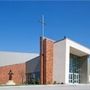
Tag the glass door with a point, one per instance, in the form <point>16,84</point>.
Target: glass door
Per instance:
<point>74,69</point>
<point>74,78</point>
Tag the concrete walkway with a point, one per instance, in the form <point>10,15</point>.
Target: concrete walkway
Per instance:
<point>47,87</point>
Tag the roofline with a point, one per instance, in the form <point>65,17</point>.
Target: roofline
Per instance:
<point>49,39</point>
<point>18,52</point>
<point>78,43</point>
<point>11,64</point>
<point>60,40</point>
<point>72,41</point>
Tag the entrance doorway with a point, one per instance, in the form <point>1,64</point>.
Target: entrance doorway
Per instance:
<point>74,69</point>
<point>74,78</point>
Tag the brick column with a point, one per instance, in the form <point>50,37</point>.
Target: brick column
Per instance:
<point>41,60</point>
<point>46,59</point>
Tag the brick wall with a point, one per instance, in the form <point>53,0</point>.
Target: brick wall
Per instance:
<point>47,62</point>
<point>41,60</point>
<point>17,69</point>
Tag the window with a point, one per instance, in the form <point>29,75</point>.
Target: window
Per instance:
<point>33,77</point>
<point>74,69</point>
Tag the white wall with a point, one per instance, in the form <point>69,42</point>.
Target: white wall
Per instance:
<point>59,61</point>
<point>62,50</point>
<point>67,61</point>
<point>79,50</point>
<point>89,69</point>
<point>84,70</point>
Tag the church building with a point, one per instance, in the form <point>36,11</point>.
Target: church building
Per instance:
<point>64,62</point>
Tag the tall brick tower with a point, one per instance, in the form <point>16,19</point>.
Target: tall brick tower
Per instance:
<point>46,61</point>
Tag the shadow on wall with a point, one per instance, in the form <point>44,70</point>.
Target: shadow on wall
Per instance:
<point>33,71</point>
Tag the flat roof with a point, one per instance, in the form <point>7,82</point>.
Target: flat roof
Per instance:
<point>75,47</point>
<point>9,58</point>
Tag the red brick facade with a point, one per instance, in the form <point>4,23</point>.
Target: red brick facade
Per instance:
<point>18,76</point>
<point>19,70</point>
<point>41,60</point>
<point>47,62</point>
